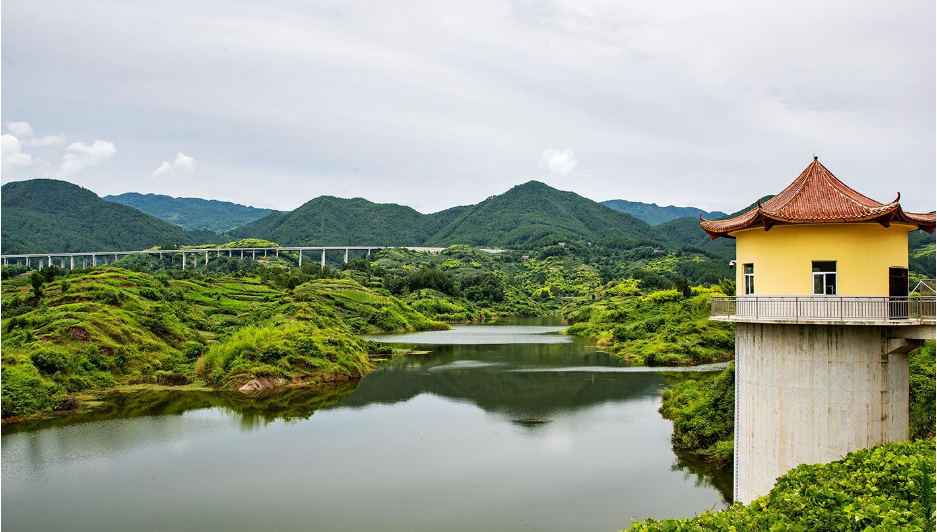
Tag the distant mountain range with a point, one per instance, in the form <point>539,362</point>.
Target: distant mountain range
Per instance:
<point>192,213</point>
<point>654,214</point>
<point>527,215</point>
<point>47,215</point>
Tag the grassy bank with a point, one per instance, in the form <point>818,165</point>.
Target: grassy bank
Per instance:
<point>890,487</point>
<point>656,328</point>
<point>97,328</point>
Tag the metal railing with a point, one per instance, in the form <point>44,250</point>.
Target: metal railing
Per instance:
<point>829,308</point>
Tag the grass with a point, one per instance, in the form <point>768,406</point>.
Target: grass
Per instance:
<point>102,327</point>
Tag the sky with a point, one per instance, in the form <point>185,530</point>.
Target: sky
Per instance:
<point>435,104</point>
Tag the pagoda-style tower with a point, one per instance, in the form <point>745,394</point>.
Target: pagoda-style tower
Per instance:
<point>824,324</point>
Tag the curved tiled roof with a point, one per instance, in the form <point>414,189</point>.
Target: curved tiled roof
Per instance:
<point>817,196</point>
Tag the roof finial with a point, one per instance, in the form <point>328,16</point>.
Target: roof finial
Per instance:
<point>815,157</point>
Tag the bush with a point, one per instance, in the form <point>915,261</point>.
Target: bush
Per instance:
<point>50,361</point>
<point>890,487</point>
<point>25,392</point>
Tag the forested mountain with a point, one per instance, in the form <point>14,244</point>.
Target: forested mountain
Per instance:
<point>654,214</point>
<point>331,221</point>
<point>527,215</point>
<point>534,213</point>
<point>192,213</point>
<point>42,215</point>
<point>687,232</point>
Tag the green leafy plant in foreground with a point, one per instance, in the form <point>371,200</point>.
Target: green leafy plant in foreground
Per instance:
<point>889,487</point>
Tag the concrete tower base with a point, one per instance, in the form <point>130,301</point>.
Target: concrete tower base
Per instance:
<point>812,393</point>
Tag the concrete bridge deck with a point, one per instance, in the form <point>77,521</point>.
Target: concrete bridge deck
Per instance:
<point>201,254</point>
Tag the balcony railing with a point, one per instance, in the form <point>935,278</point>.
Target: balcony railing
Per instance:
<point>825,308</point>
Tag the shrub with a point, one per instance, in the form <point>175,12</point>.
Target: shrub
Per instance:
<point>50,361</point>
<point>25,392</point>
<point>889,487</point>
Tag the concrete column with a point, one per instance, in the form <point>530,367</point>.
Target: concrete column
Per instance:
<point>811,394</point>
<point>265,252</point>
<point>253,254</point>
<point>183,260</point>
<point>278,252</point>
<point>71,265</point>
<point>323,258</point>
<point>94,260</point>
<point>206,257</point>
<point>369,252</point>
<point>346,255</point>
<point>242,253</point>
<point>300,256</point>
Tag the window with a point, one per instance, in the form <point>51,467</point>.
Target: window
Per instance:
<point>824,278</point>
<point>749,273</point>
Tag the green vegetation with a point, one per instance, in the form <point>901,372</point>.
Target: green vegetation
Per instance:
<point>528,215</point>
<point>654,214</point>
<point>192,213</point>
<point>662,328</point>
<point>331,221</point>
<point>46,215</point>
<point>923,386</point>
<point>534,214</point>
<point>702,408</point>
<point>890,487</point>
<point>67,332</point>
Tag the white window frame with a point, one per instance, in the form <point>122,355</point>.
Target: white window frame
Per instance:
<point>814,275</point>
<point>748,288</point>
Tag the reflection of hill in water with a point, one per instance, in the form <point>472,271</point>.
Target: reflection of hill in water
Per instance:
<point>493,378</point>
<point>252,412</point>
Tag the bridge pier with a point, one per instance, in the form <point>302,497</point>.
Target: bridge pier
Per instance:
<point>346,255</point>
<point>206,257</point>
<point>323,259</point>
<point>300,257</point>
<point>183,260</point>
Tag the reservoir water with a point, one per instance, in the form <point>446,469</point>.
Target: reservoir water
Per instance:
<point>486,427</point>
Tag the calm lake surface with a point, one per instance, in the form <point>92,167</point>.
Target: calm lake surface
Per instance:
<point>499,427</point>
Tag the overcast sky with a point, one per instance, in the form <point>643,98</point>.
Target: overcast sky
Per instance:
<point>434,103</point>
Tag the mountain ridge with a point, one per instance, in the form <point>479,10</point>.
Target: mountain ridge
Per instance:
<point>655,214</point>
<point>192,213</point>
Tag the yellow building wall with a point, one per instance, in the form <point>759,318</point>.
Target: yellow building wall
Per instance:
<point>784,255</point>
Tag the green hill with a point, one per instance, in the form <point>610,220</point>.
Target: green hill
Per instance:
<point>687,232</point>
<point>192,213</point>
<point>527,215</point>
<point>534,213</point>
<point>49,215</point>
<point>654,214</point>
<point>331,221</point>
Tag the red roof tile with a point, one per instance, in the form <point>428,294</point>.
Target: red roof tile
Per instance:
<point>817,196</point>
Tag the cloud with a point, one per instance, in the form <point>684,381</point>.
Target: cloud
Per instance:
<point>84,155</point>
<point>20,129</point>
<point>183,163</point>
<point>47,140</point>
<point>559,162</point>
<point>12,153</point>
